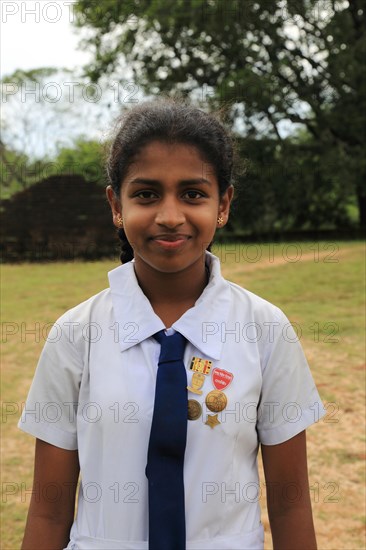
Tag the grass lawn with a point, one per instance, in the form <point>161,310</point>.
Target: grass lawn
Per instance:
<point>321,289</point>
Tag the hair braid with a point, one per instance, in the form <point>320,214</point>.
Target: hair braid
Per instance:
<point>126,248</point>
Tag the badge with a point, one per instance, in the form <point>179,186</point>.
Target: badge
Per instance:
<point>221,378</point>
<point>201,365</point>
<point>212,420</point>
<point>197,382</point>
<point>194,409</point>
<point>216,401</point>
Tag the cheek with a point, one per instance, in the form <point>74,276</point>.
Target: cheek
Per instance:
<point>136,217</point>
<point>136,223</point>
<point>208,216</point>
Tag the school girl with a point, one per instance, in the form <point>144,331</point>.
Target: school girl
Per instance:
<point>159,390</point>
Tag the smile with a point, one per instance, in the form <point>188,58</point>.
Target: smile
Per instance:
<point>171,241</point>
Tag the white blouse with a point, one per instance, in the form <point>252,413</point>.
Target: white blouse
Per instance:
<point>94,389</point>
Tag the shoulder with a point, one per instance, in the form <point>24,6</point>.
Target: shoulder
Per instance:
<point>73,328</point>
<point>250,304</point>
<point>87,309</point>
<point>240,306</point>
<point>241,301</point>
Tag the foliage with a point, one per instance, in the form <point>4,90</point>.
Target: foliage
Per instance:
<point>42,130</point>
<point>288,186</point>
<point>299,63</point>
<point>16,170</point>
<point>86,158</point>
<point>19,76</point>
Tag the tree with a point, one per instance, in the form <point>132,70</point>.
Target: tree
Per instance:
<point>282,62</point>
<point>13,176</point>
<point>86,158</point>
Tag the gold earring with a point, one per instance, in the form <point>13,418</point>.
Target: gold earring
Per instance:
<point>119,220</point>
<point>220,220</point>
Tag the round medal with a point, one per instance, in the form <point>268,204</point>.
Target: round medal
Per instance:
<point>216,401</point>
<point>194,409</point>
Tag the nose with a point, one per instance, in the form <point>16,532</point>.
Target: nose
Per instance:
<point>170,213</point>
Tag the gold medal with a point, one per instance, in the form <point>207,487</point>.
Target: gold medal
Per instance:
<point>194,409</point>
<point>216,401</point>
<point>212,420</point>
<point>197,382</point>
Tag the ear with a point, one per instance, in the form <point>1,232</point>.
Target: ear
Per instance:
<point>115,205</point>
<point>224,206</point>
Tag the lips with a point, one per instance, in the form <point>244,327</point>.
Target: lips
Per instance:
<point>171,241</point>
<point>170,237</point>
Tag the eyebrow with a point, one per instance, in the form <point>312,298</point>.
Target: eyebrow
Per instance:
<point>148,181</point>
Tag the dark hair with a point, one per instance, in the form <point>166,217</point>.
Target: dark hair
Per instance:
<point>172,122</point>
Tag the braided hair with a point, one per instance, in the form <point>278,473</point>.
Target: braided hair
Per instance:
<point>169,121</point>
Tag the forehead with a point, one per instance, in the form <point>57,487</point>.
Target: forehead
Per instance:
<point>158,159</point>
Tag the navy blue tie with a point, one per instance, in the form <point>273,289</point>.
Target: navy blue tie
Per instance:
<point>165,458</point>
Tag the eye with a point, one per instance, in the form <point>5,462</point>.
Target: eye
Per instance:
<point>193,194</point>
<point>146,195</point>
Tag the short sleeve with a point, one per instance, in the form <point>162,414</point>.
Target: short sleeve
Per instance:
<point>289,401</point>
<point>50,409</point>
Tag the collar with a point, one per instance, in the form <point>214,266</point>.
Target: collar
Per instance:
<point>137,321</point>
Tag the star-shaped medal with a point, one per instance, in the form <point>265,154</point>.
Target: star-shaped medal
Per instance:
<point>212,420</point>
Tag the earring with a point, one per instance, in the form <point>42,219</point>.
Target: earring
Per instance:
<point>220,220</point>
<point>119,220</point>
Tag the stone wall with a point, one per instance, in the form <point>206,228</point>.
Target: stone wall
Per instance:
<point>61,217</point>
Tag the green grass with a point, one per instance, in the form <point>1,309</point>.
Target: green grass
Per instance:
<point>316,293</point>
<point>311,293</point>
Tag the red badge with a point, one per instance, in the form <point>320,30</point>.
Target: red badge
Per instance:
<point>221,378</point>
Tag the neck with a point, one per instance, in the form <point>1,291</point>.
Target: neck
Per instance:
<point>171,294</point>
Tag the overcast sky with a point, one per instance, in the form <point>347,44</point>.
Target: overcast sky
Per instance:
<point>38,34</point>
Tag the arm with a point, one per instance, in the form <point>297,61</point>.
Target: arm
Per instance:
<point>52,506</point>
<point>288,495</point>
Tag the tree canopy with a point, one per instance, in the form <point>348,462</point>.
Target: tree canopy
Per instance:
<point>282,65</point>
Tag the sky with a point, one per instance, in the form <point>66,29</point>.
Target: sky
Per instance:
<point>38,34</point>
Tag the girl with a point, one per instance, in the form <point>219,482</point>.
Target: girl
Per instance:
<point>97,403</point>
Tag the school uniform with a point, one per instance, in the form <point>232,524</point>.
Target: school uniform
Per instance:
<point>94,389</point>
